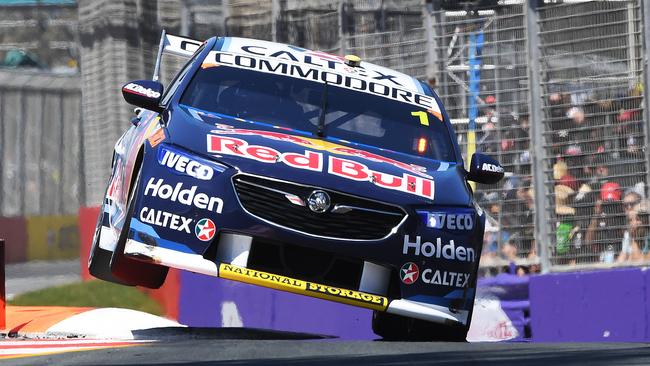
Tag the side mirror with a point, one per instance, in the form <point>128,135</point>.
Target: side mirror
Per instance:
<point>143,93</point>
<point>483,169</point>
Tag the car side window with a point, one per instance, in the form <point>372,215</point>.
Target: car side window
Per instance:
<point>179,77</point>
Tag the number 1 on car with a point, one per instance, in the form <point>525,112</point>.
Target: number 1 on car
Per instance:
<point>423,116</point>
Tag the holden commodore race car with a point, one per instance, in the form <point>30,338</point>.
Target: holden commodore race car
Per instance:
<point>300,171</point>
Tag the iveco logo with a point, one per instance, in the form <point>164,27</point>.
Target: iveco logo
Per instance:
<point>318,201</point>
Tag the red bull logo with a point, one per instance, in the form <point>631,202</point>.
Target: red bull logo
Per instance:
<point>314,161</point>
<point>322,145</point>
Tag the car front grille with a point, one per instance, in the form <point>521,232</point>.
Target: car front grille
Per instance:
<point>349,217</point>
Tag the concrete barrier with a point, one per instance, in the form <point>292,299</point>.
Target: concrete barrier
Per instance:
<point>87,221</point>
<point>14,231</point>
<point>52,237</point>
<point>602,306</point>
<point>211,302</point>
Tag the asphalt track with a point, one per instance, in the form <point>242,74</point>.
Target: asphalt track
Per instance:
<point>241,346</point>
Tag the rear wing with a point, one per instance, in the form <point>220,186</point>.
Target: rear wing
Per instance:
<point>174,45</point>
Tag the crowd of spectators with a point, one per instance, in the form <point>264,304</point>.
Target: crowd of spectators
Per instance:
<point>595,150</point>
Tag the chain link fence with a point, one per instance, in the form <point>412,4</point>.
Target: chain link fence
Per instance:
<point>481,74</point>
<point>593,110</point>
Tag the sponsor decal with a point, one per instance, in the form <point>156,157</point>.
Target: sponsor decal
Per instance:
<point>311,160</point>
<point>449,221</point>
<point>229,271</point>
<point>375,81</point>
<point>157,137</point>
<point>205,230</point>
<point>165,219</point>
<point>345,294</point>
<point>278,282</point>
<point>449,251</point>
<point>445,278</point>
<point>409,273</point>
<point>180,45</point>
<point>322,145</point>
<point>156,187</point>
<point>487,167</point>
<point>185,164</point>
<point>134,88</point>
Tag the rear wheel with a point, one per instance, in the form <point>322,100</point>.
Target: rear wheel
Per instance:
<point>129,270</point>
<point>393,327</point>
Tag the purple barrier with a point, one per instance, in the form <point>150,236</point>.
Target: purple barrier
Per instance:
<point>505,286</point>
<point>211,302</point>
<point>599,306</point>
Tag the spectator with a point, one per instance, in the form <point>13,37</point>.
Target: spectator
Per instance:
<point>558,121</point>
<point>489,140</point>
<point>583,203</point>
<point>634,246</point>
<point>565,230</point>
<point>631,199</point>
<point>604,231</point>
<point>629,124</point>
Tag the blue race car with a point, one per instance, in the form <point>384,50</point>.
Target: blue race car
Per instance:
<point>301,171</point>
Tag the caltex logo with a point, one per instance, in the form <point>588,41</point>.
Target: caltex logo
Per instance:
<point>205,229</point>
<point>409,273</point>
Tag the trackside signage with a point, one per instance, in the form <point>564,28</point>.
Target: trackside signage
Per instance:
<point>278,282</point>
<point>376,83</point>
<point>314,161</point>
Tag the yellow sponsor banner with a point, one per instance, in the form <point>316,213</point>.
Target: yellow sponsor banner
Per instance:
<point>241,274</point>
<point>52,237</point>
<point>350,297</point>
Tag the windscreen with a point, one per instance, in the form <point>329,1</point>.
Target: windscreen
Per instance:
<point>305,105</point>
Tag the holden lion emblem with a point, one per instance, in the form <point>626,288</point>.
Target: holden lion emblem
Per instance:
<point>318,201</point>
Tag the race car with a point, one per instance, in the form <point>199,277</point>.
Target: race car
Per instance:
<point>301,171</point>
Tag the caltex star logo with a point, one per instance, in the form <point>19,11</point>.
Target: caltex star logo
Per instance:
<point>205,229</point>
<point>409,273</point>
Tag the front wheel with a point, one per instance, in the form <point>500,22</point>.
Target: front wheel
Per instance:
<point>398,328</point>
<point>99,260</point>
<point>129,270</point>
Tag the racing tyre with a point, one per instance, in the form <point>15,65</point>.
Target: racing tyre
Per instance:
<point>398,328</point>
<point>131,271</point>
<point>99,260</point>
